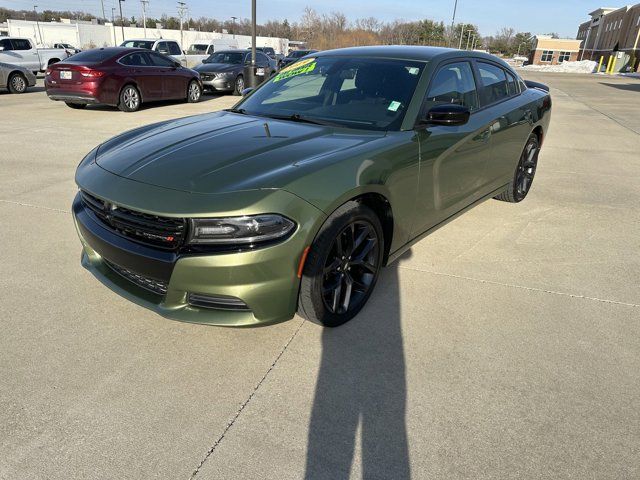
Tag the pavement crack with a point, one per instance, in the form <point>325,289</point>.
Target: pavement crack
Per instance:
<point>11,202</point>
<point>523,287</point>
<point>245,403</point>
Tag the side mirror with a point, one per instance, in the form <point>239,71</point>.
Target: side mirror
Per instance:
<point>247,91</point>
<point>446,115</point>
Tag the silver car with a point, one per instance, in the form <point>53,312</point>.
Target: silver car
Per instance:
<point>16,78</point>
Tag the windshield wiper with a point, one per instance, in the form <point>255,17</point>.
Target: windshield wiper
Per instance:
<point>296,117</point>
<point>241,111</point>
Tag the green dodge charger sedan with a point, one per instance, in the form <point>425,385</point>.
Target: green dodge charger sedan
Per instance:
<point>294,199</point>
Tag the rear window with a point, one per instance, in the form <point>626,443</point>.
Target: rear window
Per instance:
<point>138,44</point>
<point>96,55</point>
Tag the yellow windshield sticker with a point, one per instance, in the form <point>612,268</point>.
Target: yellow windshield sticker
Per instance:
<point>298,68</point>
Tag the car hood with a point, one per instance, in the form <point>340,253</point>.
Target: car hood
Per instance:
<point>225,152</point>
<point>217,67</point>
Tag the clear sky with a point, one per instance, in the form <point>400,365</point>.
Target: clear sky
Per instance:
<point>535,16</point>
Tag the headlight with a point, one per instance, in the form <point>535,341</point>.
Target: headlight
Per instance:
<point>239,230</point>
<point>222,75</point>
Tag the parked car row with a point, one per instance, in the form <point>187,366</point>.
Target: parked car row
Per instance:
<point>224,71</point>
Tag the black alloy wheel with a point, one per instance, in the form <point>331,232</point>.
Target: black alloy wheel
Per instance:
<point>342,266</point>
<point>524,174</point>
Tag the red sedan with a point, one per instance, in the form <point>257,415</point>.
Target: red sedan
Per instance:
<point>122,77</point>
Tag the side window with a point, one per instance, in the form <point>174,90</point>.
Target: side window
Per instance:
<point>162,47</point>
<point>514,87</point>
<point>137,59</point>
<point>174,48</point>
<point>494,83</point>
<point>21,44</point>
<point>261,59</point>
<point>453,83</point>
<point>211,49</point>
<point>6,44</point>
<point>161,61</point>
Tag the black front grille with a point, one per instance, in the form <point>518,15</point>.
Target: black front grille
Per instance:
<point>164,232</point>
<point>151,284</point>
<point>217,302</point>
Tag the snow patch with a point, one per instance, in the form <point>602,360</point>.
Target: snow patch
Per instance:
<point>583,66</point>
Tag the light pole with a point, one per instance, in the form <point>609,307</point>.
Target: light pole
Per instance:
<point>113,24</point>
<point>182,6</point>
<point>38,24</point>
<point>121,18</point>
<point>233,20</point>
<point>104,17</point>
<point>461,35</point>
<point>453,21</point>
<point>144,16</point>
<point>253,44</point>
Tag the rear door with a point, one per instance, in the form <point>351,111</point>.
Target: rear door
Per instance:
<point>452,158</point>
<point>501,101</point>
<point>174,82</point>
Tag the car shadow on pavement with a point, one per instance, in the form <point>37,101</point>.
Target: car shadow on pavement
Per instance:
<point>36,89</point>
<point>632,87</point>
<point>151,105</point>
<point>362,383</point>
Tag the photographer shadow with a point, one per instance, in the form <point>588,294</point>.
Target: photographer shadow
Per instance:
<point>362,383</point>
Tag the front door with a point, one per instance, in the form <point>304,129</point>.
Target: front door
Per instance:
<point>174,83</point>
<point>452,158</point>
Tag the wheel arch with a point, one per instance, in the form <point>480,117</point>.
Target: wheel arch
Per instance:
<point>539,132</point>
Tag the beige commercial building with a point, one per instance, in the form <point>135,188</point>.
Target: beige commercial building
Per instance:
<point>547,50</point>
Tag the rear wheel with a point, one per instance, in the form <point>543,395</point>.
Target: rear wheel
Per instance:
<point>525,171</point>
<point>76,106</point>
<point>239,85</point>
<point>342,266</point>
<point>17,83</point>
<point>129,99</point>
<point>194,92</point>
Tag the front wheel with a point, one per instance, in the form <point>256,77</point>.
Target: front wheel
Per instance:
<point>342,266</point>
<point>194,92</point>
<point>239,86</point>
<point>129,99</point>
<point>17,83</point>
<point>525,171</point>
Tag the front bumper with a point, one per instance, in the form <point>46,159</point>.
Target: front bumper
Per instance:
<point>265,279</point>
<point>218,84</point>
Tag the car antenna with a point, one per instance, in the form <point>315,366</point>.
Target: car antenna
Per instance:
<point>266,129</point>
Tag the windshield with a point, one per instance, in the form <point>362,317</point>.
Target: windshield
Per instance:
<point>96,55</point>
<point>365,93</point>
<point>231,58</point>
<point>138,44</point>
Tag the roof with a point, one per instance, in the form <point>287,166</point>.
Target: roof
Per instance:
<point>407,52</point>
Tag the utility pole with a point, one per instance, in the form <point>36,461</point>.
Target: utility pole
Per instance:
<point>461,35</point>
<point>121,18</point>
<point>253,79</point>
<point>468,38</point>
<point>38,24</point>
<point>453,21</point>
<point>144,16</point>
<point>113,24</point>
<point>104,17</point>
<point>182,7</point>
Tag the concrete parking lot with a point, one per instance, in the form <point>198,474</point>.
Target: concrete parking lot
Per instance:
<point>505,345</point>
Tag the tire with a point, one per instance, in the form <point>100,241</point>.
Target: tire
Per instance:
<point>17,83</point>
<point>130,99</point>
<point>239,85</point>
<point>331,280</point>
<point>194,91</point>
<point>76,106</point>
<point>524,174</point>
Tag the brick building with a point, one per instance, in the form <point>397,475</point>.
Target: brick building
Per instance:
<point>611,30</point>
<point>546,50</point>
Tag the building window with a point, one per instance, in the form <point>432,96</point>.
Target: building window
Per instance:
<point>547,55</point>
<point>564,57</point>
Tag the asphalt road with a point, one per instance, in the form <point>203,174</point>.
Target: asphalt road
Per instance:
<point>505,345</point>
